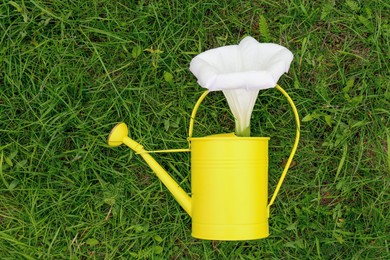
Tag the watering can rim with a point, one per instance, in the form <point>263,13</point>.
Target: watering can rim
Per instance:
<point>230,138</point>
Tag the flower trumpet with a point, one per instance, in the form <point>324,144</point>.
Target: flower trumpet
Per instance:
<point>240,71</point>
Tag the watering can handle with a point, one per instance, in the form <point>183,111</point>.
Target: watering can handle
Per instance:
<point>288,163</point>
<point>294,149</point>
<point>193,114</point>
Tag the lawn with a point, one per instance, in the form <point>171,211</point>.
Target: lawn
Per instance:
<point>70,70</point>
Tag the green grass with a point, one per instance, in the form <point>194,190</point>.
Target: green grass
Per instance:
<point>69,70</point>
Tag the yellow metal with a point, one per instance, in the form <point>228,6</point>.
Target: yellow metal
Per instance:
<point>115,138</point>
<point>168,151</point>
<point>119,135</point>
<point>193,114</point>
<point>229,177</point>
<point>294,149</point>
<point>229,180</point>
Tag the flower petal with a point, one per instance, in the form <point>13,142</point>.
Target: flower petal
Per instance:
<point>253,80</point>
<point>249,65</point>
<point>241,103</point>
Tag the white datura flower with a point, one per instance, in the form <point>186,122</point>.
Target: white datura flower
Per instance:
<point>240,71</point>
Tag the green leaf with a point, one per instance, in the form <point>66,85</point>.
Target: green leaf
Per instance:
<point>21,164</point>
<point>388,149</point>
<point>166,124</point>
<point>292,226</point>
<point>13,184</point>
<point>290,244</point>
<point>13,154</point>
<point>1,170</point>
<point>352,5</point>
<point>339,238</point>
<point>349,85</point>
<point>300,243</point>
<point>368,12</point>
<point>158,250</point>
<point>264,32</point>
<point>340,184</point>
<point>16,5</point>
<point>136,51</point>
<point>158,238</point>
<point>326,10</point>
<point>154,51</point>
<point>8,161</point>
<point>297,84</point>
<point>359,124</point>
<point>307,118</point>
<point>341,163</point>
<point>328,120</point>
<point>139,228</point>
<point>367,23</point>
<point>357,100</point>
<point>176,123</point>
<point>110,201</point>
<point>92,242</point>
<point>168,77</point>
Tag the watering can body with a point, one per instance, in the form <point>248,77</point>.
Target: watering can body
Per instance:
<point>229,181</point>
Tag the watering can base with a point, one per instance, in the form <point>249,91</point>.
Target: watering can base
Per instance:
<point>230,232</point>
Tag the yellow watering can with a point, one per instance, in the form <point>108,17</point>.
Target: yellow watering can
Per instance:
<point>229,180</point>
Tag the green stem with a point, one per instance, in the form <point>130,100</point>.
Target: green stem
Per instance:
<point>246,132</point>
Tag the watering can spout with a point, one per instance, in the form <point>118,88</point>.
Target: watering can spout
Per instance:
<point>119,135</point>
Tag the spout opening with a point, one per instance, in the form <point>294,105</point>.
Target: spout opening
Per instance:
<point>117,134</point>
